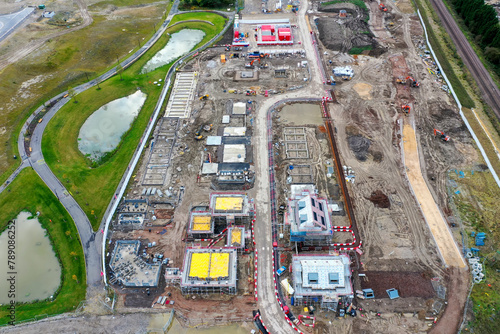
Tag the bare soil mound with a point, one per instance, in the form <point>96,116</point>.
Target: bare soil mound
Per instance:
<point>359,145</point>
<point>380,199</point>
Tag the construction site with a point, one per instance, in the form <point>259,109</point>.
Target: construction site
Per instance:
<point>358,220</point>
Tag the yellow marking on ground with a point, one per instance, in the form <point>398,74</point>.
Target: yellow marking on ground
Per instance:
<point>442,235</point>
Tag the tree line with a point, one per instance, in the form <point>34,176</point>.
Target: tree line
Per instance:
<point>482,21</point>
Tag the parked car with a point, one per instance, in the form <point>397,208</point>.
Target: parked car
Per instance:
<point>281,270</point>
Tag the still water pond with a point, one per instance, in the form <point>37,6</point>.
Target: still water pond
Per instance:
<point>178,45</point>
<point>38,271</point>
<point>103,130</point>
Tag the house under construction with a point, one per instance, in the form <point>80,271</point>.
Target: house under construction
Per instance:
<point>201,225</point>
<point>207,270</point>
<point>308,217</point>
<point>321,279</point>
<point>231,208</point>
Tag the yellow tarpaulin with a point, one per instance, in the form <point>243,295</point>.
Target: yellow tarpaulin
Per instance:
<point>199,265</point>
<point>201,223</point>
<point>219,265</point>
<point>229,204</point>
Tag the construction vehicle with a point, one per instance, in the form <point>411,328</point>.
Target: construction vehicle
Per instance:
<point>382,7</point>
<point>198,135</point>
<point>204,97</point>
<point>406,109</point>
<point>250,64</point>
<point>401,80</point>
<point>441,134</point>
<point>413,83</point>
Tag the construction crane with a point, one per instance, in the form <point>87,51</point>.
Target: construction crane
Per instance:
<point>382,7</point>
<point>204,97</point>
<point>406,109</point>
<point>441,134</point>
<point>413,83</point>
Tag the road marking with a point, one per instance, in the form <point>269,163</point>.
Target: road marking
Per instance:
<point>40,162</point>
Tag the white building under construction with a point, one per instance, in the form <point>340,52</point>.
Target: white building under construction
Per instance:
<point>321,279</point>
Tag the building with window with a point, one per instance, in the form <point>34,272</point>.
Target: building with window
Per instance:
<point>321,279</point>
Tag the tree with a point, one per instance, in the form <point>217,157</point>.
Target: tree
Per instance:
<point>75,278</point>
<point>493,55</point>
<point>73,254</point>
<point>119,70</point>
<point>72,94</point>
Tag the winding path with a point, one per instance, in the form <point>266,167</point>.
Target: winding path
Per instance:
<point>91,241</point>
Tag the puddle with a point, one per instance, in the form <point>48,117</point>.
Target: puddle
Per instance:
<point>38,271</point>
<point>178,45</point>
<point>159,320</point>
<point>302,114</point>
<point>102,131</point>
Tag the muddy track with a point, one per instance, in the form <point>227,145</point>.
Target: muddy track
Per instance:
<point>490,91</point>
<point>12,57</point>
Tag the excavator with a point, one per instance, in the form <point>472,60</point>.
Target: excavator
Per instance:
<point>250,64</point>
<point>205,127</point>
<point>441,134</point>
<point>413,83</point>
<point>204,97</point>
<point>382,7</point>
<point>406,109</point>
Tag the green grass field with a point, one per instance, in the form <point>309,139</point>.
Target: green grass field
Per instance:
<point>28,192</point>
<point>93,186</point>
<point>478,207</point>
<point>62,62</point>
<point>446,67</point>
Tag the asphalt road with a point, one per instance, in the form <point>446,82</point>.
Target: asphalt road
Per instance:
<point>9,22</point>
<point>489,90</point>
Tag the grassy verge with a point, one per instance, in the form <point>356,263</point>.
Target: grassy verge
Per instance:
<point>478,209</point>
<point>446,67</point>
<point>65,61</point>
<point>359,50</point>
<point>483,138</point>
<point>28,192</point>
<point>93,188</point>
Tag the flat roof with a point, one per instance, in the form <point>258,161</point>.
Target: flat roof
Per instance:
<point>214,140</point>
<point>234,131</point>
<point>234,153</point>
<point>209,168</point>
<point>229,203</point>
<point>239,108</point>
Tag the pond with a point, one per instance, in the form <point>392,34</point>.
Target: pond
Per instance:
<point>103,130</point>
<point>38,270</point>
<point>178,45</point>
<point>302,114</point>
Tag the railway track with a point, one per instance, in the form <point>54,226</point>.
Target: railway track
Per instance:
<point>490,91</point>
